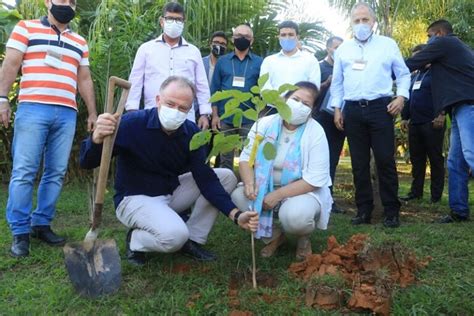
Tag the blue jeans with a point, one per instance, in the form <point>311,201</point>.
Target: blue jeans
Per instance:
<point>40,131</point>
<point>461,158</point>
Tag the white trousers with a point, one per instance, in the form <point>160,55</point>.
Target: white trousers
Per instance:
<point>297,214</point>
<point>158,227</point>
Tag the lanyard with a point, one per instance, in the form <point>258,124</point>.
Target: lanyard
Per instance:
<point>58,32</point>
<point>423,77</point>
<point>245,69</point>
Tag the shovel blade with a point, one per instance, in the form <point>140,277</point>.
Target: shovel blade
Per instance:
<point>93,267</point>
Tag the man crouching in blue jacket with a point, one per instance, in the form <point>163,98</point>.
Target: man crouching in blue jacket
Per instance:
<point>158,176</point>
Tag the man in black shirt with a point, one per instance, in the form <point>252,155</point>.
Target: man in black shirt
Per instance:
<point>425,135</point>
<point>452,67</point>
<point>324,114</point>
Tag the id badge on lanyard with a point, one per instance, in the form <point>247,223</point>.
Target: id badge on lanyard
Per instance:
<point>359,64</point>
<point>238,82</point>
<point>417,85</point>
<point>53,59</point>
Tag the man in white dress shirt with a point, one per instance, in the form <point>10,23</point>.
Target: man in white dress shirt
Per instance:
<point>290,65</point>
<point>362,82</point>
<point>165,56</point>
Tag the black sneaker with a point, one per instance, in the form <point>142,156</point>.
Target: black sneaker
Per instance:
<point>194,250</point>
<point>20,246</point>
<point>409,197</point>
<point>336,210</point>
<point>136,258</point>
<point>360,219</point>
<point>391,222</point>
<point>452,218</point>
<point>44,233</point>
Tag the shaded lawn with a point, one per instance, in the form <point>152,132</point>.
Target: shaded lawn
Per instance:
<point>173,284</point>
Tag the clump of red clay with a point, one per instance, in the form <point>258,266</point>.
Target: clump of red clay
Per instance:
<point>371,271</point>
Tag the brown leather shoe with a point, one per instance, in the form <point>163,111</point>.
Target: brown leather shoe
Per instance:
<point>304,248</point>
<point>272,246</point>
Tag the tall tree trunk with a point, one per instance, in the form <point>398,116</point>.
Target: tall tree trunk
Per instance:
<point>377,213</point>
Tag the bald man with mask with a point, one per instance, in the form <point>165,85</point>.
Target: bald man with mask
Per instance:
<point>362,83</point>
<point>238,70</point>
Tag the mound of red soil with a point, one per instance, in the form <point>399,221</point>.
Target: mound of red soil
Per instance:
<point>371,270</point>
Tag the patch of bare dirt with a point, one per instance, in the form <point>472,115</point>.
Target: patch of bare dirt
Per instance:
<point>241,279</point>
<point>181,268</point>
<point>371,271</point>
<point>240,313</point>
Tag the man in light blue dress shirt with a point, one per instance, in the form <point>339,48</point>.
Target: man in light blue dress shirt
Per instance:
<point>362,82</point>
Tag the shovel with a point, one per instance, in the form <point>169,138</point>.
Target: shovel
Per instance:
<point>94,265</point>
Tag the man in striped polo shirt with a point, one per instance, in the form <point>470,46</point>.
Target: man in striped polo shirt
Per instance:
<point>54,65</point>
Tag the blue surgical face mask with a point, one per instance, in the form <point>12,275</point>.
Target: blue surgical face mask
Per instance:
<point>288,44</point>
<point>362,31</point>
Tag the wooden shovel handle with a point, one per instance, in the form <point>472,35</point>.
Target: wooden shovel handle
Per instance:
<point>108,145</point>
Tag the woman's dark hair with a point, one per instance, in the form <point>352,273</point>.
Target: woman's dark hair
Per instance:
<point>307,86</point>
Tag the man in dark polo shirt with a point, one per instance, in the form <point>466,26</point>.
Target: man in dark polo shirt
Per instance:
<point>425,135</point>
<point>158,176</point>
<point>238,70</point>
<point>452,67</point>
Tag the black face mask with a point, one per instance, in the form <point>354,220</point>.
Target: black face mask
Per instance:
<point>62,13</point>
<point>241,43</point>
<point>218,50</point>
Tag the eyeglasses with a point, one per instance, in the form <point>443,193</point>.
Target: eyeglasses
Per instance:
<point>177,20</point>
<point>219,43</point>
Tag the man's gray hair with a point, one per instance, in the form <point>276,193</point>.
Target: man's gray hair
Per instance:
<point>182,82</point>
<point>365,5</point>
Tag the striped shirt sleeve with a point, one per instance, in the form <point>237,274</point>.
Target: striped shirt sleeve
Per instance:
<point>85,56</point>
<point>19,37</point>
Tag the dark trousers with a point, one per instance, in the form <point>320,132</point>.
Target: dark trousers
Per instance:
<point>426,142</point>
<point>335,139</point>
<point>227,159</point>
<point>370,126</point>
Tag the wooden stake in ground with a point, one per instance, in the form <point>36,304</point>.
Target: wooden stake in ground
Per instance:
<point>254,263</point>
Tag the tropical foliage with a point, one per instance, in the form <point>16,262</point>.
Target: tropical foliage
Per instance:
<point>255,103</point>
<point>116,28</point>
<point>407,20</point>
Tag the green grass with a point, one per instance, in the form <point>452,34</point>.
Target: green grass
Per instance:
<point>39,284</point>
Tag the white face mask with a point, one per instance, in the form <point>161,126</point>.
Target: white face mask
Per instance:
<point>171,119</point>
<point>362,31</point>
<point>299,112</point>
<point>173,29</point>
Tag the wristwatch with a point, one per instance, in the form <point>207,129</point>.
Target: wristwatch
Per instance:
<point>236,217</point>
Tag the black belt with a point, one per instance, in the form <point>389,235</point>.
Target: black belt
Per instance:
<point>365,103</point>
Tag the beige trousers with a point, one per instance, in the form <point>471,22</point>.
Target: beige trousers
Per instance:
<point>298,214</point>
<point>157,225</point>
